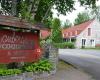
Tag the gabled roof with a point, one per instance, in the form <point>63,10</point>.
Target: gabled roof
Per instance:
<point>19,23</point>
<point>75,30</point>
<point>69,32</point>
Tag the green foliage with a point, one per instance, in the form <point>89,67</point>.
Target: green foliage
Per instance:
<point>64,6</point>
<point>24,11</point>
<point>96,12</point>
<point>96,48</point>
<point>5,72</point>
<point>64,45</point>
<point>81,17</point>
<point>41,8</point>
<point>41,66</point>
<point>43,12</point>
<point>67,24</point>
<point>88,3</point>
<point>48,22</point>
<point>56,35</point>
<point>70,45</point>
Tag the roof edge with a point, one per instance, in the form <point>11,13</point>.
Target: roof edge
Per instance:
<point>19,23</point>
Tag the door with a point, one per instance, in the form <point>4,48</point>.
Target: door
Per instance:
<point>92,41</point>
<point>83,43</point>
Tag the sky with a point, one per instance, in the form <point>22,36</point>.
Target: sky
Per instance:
<point>72,15</point>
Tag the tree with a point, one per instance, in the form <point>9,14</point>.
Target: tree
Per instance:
<point>96,13</point>
<point>67,24</point>
<point>81,17</point>
<point>88,3</point>
<point>39,10</point>
<point>56,35</point>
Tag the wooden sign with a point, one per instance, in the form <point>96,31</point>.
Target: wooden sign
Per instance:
<point>19,46</point>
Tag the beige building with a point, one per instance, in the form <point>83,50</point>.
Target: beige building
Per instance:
<point>85,35</point>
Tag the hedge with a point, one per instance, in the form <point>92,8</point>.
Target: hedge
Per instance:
<point>64,45</point>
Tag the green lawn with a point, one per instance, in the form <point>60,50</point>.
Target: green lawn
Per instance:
<point>97,48</point>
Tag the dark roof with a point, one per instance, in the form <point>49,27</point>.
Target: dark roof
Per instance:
<point>19,23</point>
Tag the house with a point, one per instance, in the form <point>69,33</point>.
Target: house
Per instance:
<point>44,34</point>
<point>86,34</point>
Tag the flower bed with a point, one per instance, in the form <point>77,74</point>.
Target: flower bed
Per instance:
<point>43,68</point>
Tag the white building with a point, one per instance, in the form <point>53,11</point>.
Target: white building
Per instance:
<point>85,35</point>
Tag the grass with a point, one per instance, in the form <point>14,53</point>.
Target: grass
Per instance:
<point>62,65</point>
<point>97,48</point>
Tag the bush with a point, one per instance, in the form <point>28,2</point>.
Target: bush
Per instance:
<point>41,66</point>
<point>60,45</point>
<point>70,45</point>
<point>5,72</point>
<point>64,45</point>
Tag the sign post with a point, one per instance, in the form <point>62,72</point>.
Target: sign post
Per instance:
<point>18,46</point>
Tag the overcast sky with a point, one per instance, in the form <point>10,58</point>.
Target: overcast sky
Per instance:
<point>71,16</point>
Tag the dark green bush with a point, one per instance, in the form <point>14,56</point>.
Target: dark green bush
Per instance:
<point>59,45</point>
<point>70,45</point>
<point>64,45</point>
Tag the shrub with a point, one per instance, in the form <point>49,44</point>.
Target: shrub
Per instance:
<point>59,45</point>
<point>41,66</point>
<point>5,72</point>
<point>70,45</point>
<point>64,45</point>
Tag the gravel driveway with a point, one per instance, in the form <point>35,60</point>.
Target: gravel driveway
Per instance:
<point>68,72</point>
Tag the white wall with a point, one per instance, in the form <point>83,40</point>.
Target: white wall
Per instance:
<point>95,35</point>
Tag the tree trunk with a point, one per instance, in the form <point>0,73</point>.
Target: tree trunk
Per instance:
<point>14,7</point>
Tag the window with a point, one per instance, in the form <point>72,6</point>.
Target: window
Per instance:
<point>89,31</point>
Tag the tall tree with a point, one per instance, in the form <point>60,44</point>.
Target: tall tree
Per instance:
<point>56,34</point>
<point>67,24</point>
<point>81,17</point>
